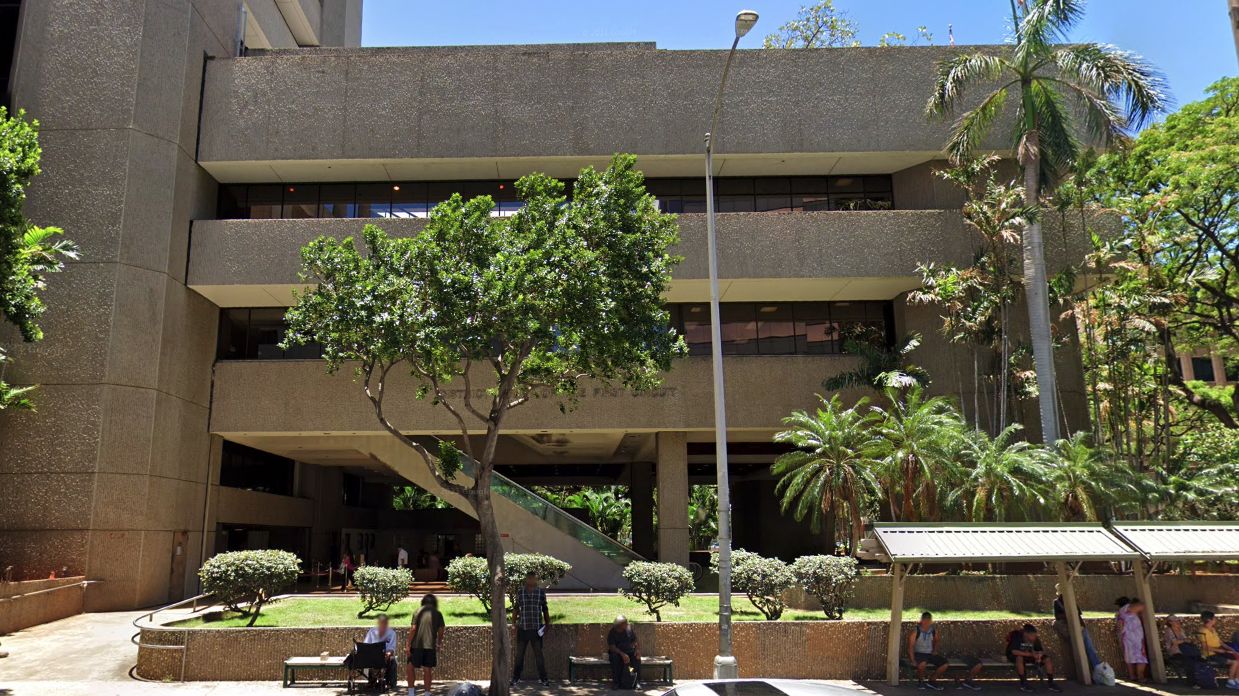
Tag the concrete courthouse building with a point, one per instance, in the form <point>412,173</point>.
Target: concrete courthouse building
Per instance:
<point>191,147</point>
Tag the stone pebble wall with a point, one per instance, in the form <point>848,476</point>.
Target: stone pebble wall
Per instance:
<point>19,609</point>
<point>791,649</point>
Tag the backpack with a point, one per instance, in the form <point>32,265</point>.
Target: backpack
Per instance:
<point>628,678</point>
<point>1103,674</point>
<point>1204,676</point>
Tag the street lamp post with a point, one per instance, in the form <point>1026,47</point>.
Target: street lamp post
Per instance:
<point>725,666</point>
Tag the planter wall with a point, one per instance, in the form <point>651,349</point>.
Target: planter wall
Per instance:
<point>19,609</point>
<point>791,649</point>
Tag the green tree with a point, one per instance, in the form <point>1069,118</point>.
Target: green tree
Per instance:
<point>880,367</point>
<point>528,305</point>
<point>1004,480</point>
<point>832,471</point>
<point>918,439</point>
<point>819,25</point>
<point>1177,189</point>
<point>28,253</point>
<point>1049,83</point>
<point>1087,484</point>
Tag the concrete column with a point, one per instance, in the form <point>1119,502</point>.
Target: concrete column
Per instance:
<point>641,489</point>
<point>673,497</point>
<point>1219,369</point>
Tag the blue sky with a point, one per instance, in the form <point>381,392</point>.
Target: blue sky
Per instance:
<point>1189,40</point>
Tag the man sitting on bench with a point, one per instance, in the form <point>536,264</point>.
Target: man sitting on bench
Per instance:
<point>923,653</point>
<point>1024,650</point>
<point>625,655</point>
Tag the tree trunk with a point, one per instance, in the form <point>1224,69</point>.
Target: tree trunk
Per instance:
<point>830,527</point>
<point>1037,291</point>
<point>501,641</point>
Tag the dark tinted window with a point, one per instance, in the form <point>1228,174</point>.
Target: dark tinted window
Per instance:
<point>256,470</point>
<point>785,328</point>
<point>256,334</point>
<point>1202,369</point>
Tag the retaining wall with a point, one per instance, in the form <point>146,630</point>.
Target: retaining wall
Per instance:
<point>20,609</point>
<point>790,649</point>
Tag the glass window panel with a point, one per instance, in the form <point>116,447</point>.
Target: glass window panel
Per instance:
<point>300,201</point>
<point>506,208</point>
<point>877,184</point>
<point>337,201</point>
<point>439,191</point>
<point>848,201</point>
<point>374,200</point>
<point>408,199</point>
<point>671,204</point>
<point>776,329</point>
<point>266,330</point>
<point>693,204</point>
<point>265,201</point>
<point>847,184</point>
<point>810,202</point>
<point>693,187</point>
<point>697,328</point>
<point>504,191</point>
<point>1202,369</point>
<point>231,341</point>
<point>663,187</point>
<point>733,186</point>
<point>735,204</point>
<point>815,333</point>
<point>233,202</point>
<point>769,203</point>
<point>739,328</point>
<point>809,184</point>
<point>770,185</point>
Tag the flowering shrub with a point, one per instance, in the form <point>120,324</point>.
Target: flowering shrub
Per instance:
<point>249,578</point>
<point>829,579</point>
<point>657,584</point>
<point>380,588</point>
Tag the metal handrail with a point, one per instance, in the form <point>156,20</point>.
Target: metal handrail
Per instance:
<point>150,616</point>
<point>81,583</point>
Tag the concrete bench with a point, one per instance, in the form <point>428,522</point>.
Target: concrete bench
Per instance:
<point>647,663</point>
<point>962,664</point>
<point>295,664</point>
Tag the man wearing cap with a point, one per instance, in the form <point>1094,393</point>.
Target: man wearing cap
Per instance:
<point>625,654</point>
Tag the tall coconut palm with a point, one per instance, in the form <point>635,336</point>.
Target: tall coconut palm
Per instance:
<point>1005,479</point>
<point>832,464</point>
<point>1049,83</point>
<point>919,437</point>
<point>1086,485</point>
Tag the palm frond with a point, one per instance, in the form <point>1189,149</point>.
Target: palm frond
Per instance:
<point>956,74</point>
<point>1117,76</point>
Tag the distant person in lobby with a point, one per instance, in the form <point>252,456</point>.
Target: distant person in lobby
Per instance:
<point>382,632</point>
<point>625,654</point>
<point>924,654</point>
<point>1025,651</point>
<point>425,642</point>
<point>533,615</point>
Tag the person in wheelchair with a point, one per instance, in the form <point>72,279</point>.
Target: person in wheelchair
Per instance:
<point>380,633</point>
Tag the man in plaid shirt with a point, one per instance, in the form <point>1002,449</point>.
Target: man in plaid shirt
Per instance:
<point>532,617</point>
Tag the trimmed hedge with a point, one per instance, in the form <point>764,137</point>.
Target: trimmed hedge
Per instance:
<point>380,587</point>
<point>470,574</point>
<point>656,585</point>
<point>249,578</point>
<point>829,579</point>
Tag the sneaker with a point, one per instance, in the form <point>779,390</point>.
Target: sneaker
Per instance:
<point>544,682</point>
<point>920,684</point>
<point>969,684</point>
<point>1232,684</point>
<point>1054,687</point>
<point>933,686</point>
<point>514,682</point>
<point>1026,688</point>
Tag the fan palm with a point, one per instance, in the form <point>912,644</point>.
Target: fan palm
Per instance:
<point>880,367</point>
<point>918,439</point>
<point>1005,478</point>
<point>1086,485</point>
<point>1049,83</point>
<point>831,465</point>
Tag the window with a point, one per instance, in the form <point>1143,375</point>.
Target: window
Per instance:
<point>256,334</point>
<point>256,470</point>
<point>785,328</point>
<point>1202,369</point>
<point>418,198</point>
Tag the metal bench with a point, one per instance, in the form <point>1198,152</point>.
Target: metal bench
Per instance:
<point>295,664</point>
<point>647,663</point>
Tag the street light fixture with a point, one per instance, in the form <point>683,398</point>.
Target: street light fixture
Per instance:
<point>725,666</point>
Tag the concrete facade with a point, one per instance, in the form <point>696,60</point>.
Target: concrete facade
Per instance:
<point>148,107</point>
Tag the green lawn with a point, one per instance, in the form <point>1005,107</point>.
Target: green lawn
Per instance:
<point>342,611</point>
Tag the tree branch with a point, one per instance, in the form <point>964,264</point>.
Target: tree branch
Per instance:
<point>1175,377</point>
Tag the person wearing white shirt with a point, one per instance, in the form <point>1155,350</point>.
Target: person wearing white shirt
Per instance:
<point>402,557</point>
<point>382,632</point>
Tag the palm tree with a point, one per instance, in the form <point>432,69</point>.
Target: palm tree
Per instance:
<point>880,367</point>
<point>1005,477</point>
<point>1087,485</point>
<point>831,465</point>
<point>918,440</point>
<point>1050,83</point>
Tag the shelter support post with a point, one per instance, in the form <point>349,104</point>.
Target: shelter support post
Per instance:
<point>1157,663</point>
<point>898,573</point>
<point>1075,631</point>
